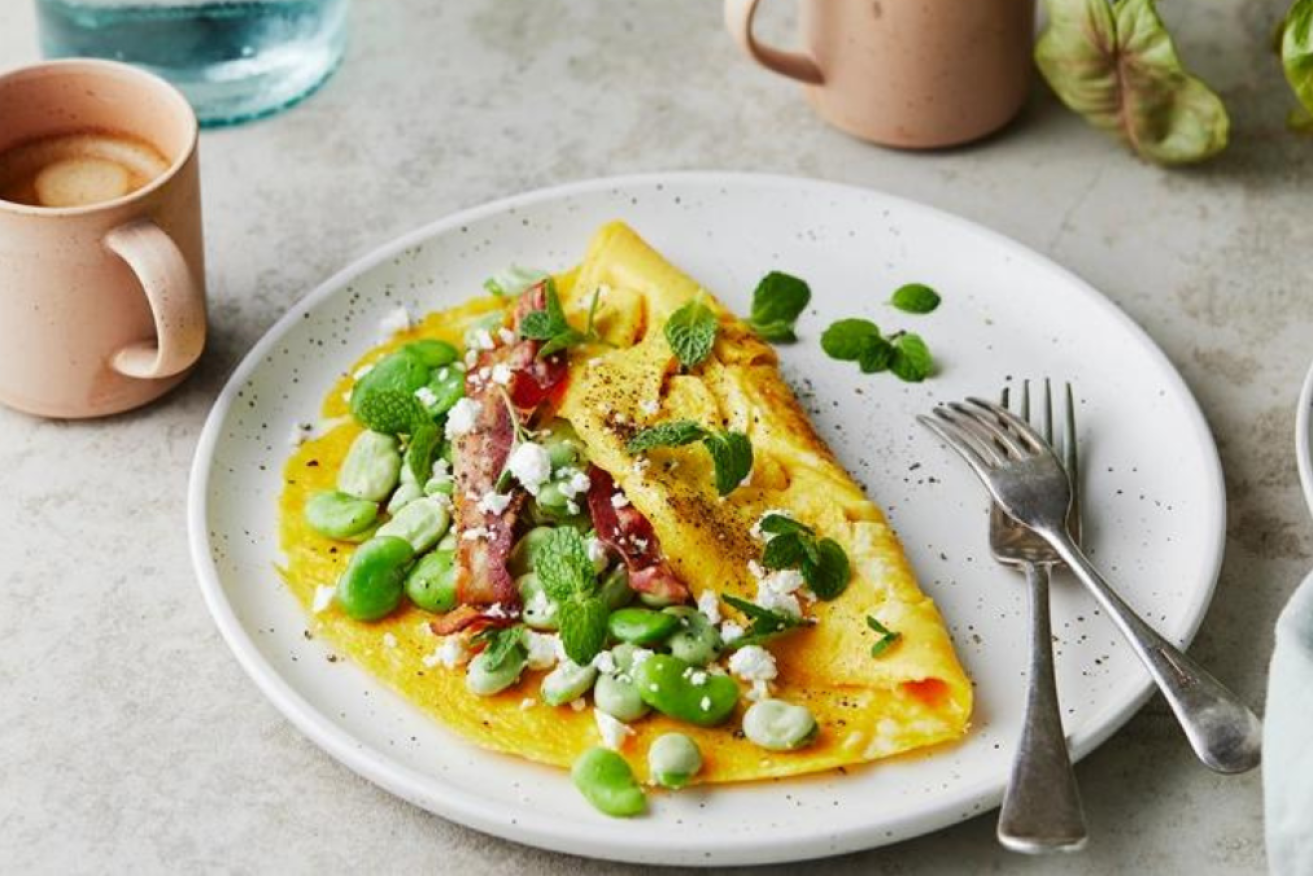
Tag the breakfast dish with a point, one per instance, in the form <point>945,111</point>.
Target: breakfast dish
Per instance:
<point>528,520</point>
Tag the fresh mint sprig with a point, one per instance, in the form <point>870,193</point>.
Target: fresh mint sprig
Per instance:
<point>915,298</point>
<point>763,624</point>
<point>550,326</point>
<point>777,302</point>
<point>886,636</point>
<point>860,340</point>
<point>500,644</point>
<point>821,561</point>
<point>570,579</point>
<point>731,452</point>
<point>691,333</point>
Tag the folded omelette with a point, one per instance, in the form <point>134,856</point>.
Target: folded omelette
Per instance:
<point>613,383</point>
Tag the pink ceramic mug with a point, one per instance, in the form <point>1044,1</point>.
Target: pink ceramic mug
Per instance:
<point>908,73</point>
<point>102,307</point>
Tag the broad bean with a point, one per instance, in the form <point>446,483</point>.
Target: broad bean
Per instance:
<point>432,352</point>
<point>607,782</point>
<point>422,523</point>
<point>401,371</point>
<point>779,726</point>
<point>403,496</point>
<point>641,626</point>
<point>667,684</point>
<point>617,695</point>
<point>448,387</point>
<point>483,681</point>
<point>566,683</point>
<point>540,612</point>
<point>371,585</point>
<point>563,445</point>
<point>431,584</point>
<point>372,467</point>
<point>615,590</point>
<point>696,640</point>
<point>338,515</point>
<point>524,554</point>
<point>673,759</point>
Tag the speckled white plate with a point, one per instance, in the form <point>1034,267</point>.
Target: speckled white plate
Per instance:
<point>1304,438</point>
<point>1154,488</point>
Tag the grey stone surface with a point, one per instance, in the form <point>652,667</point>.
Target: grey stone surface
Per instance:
<point>129,737</point>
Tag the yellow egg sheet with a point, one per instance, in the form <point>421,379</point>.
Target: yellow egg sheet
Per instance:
<point>914,694</point>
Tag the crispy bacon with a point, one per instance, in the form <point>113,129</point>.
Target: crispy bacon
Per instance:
<point>464,616</point>
<point>535,381</point>
<point>627,532</point>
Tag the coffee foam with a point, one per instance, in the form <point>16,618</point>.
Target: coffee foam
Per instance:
<point>74,170</point>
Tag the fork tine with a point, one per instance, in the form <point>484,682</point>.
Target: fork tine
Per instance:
<point>1016,427</point>
<point>959,443</point>
<point>980,443</point>
<point>1025,401</point>
<point>1048,413</point>
<point>987,431</point>
<point>1071,462</point>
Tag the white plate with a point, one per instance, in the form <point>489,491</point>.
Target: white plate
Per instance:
<point>1154,488</point>
<point>1304,438</point>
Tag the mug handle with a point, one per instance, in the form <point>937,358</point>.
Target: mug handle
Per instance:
<point>176,302</point>
<point>795,65</point>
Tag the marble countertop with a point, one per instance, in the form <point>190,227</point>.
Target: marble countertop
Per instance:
<point>131,739</point>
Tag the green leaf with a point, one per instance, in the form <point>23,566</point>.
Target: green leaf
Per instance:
<point>675,433</point>
<point>779,524</point>
<point>846,339</point>
<point>389,411</point>
<point>419,452</point>
<point>537,325</point>
<point>583,627</point>
<point>887,636</point>
<point>563,565</point>
<point>1116,65</point>
<point>877,354</point>
<point>912,361</point>
<point>763,624</point>
<point>1297,57</point>
<point>502,643</point>
<point>915,298</point>
<point>827,575</point>
<point>784,551</point>
<point>691,333</point>
<point>550,325</point>
<point>777,302</point>
<point>561,341</point>
<point>732,454</point>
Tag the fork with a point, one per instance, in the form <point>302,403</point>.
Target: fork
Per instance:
<point>1027,481</point>
<point>1041,809</point>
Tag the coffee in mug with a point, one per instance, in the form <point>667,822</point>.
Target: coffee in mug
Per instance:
<point>78,169</point>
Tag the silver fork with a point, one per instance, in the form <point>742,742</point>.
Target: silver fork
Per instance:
<point>1041,809</point>
<point>1028,482</point>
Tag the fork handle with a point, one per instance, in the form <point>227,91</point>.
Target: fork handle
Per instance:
<point>1222,730</point>
<point>1041,810</point>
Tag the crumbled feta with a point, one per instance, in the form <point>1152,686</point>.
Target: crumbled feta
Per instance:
<point>614,732</point>
<point>476,533</point>
<point>323,598</point>
<point>527,703</point>
<point>604,662</point>
<point>543,649</point>
<point>501,374</point>
<point>389,640</point>
<point>451,653</point>
<point>471,357</point>
<point>753,663</point>
<point>619,500</point>
<point>496,611</point>
<point>649,406</point>
<point>573,482</point>
<point>494,503</point>
<point>482,339</point>
<point>462,417</point>
<point>507,336</point>
<point>362,371</point>
<point>427,397</point>
<point>730,632</point>
<point>697,678</point>
<point>638,656</point>
<point>531,465</point>
<point>705,704</point>
<point>597,552</point>
<point>709,605</point>
<point>760,690</point>
<point>572,506</point>
<point>774,600</point>
<point>640,465</point>
<point>395,320</point>
<point>538,603</point>
<point>578,704</point>
<point>775,590</point>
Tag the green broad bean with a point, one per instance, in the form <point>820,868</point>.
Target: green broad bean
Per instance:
<point>431,584</point>
<point>448,387</point>
<point>563,445</point>
<point>484,682</point>
<point>666,684</point>
<point>448,451</point>
<point>403,496</point>
<point>615,590</point>
<point>524,554</point>
<point>372,467</point>
<point>551,499</point>
<point>450,541</point>
<point>673,759</point>
<point>641,626</point>
<point>696,640</point>
<point>779,726</point>
<point>617,695</point>
<point>432,352</point>
<point>371,585</point>
<point>421,522</point>
<point>623,655</point>
<point>607,782</point>
<point>539,611</point>
<point>444,484</point>
<point>401,371</point>
<point>338,515</point>
<point>656,600</point>
<point>566,683</point>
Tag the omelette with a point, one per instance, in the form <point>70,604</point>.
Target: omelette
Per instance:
<point>618,412</point>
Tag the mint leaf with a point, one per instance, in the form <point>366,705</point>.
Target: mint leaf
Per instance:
<point>846,339</point>
<point>563,565</point>
<point>501,645</point>
<point>784,551</point>
<point>827,575</point>
<point>763,624</point>
<point>675,433</point>
<point>550,325</point>
<point>691,333</point>
<point>887,636</point>
<point>876,356</point>
<point>419,452</point>
<point>777,302</point>
<point>389,411</point>
<point>537,325</point>
<point>915,298</point>
<point>779,524</point>
<point>912,361</point>
<point>583,628</point>
<point>732,454</point>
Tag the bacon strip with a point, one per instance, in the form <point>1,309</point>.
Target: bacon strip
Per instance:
<point>627,532</point>
<point>464,616</point>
